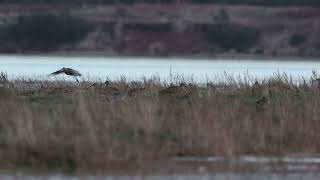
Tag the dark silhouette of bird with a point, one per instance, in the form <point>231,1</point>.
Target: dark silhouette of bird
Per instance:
<point>69,72</point>
<point>262,101</point>
<point>111,90</point>
<point>105,88</point>
<point>256,88</point>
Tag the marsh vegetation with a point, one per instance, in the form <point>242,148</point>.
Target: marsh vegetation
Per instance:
<point>62,123</point>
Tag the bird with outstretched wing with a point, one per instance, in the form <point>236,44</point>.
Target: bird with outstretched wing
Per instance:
<point>69,72</point>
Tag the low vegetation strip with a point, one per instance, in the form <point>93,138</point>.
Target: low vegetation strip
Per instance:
<point>241,2</point>
<point>69,124</point>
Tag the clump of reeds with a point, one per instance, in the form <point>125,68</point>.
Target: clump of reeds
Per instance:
<point>59,123</point>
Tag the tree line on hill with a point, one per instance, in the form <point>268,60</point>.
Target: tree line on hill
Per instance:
<point>244,2</point>
<point>47,32</point>
<point>42,32</point>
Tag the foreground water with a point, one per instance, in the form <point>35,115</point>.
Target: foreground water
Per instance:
<point>202,168</point>
<point>206,176</point>
<point>165,68</point>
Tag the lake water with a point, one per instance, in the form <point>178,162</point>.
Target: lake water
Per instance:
<point>212,176</point>
<point>135,68</point>
<point>190,168</point>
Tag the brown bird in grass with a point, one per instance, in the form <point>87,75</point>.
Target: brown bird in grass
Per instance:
<point>106,88</point>
<point>111,90</point>
<point>135,91</point>
<point>175,90</point>
<point>69,72</point>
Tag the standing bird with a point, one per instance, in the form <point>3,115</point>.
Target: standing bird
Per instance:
<point>111,90</point>
<point>69,72</point>
<point>256,88</point>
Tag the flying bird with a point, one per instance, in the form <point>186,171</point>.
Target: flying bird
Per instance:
<point>69,72</point>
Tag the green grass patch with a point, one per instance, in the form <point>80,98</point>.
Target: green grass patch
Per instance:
<point>247,99</point>
<point>49,100</point>
<point>165,136</point>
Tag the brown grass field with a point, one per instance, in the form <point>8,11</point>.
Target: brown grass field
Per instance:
<point>66,124</point>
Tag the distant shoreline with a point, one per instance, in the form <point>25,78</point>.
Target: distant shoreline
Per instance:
<point>187,57</point>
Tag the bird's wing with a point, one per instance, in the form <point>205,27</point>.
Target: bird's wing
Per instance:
<point>78,73</point>
<point>73,72</point>
<point>58,72</point>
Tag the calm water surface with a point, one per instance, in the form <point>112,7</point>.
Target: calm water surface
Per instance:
<point>136,68</point>
<point>296,167</point>
<point>216,176</point>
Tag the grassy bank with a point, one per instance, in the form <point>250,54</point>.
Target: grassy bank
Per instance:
<point>60,123</point>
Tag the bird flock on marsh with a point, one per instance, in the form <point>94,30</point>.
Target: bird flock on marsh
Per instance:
<point>181,91</point>
<point>261,91</point>
<point>186,91</point>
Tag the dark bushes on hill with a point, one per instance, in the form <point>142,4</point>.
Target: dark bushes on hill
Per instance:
<point>260,2</point>
<point>44,31</point>
<point>156,27</point>
<point>297,39</point>
<point>230,36</point>
<point>246,2</point>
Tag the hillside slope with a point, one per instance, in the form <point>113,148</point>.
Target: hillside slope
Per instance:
<point>184,30</point>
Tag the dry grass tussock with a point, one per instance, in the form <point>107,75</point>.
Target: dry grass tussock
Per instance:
<point>59,123</point>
